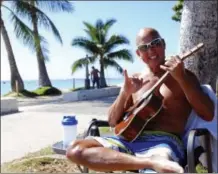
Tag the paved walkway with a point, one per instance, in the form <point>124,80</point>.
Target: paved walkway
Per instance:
<point>39,126</point>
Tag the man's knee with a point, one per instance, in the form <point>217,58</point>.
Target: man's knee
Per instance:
<point>76,150</point>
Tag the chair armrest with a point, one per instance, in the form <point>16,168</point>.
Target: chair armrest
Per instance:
<point>190,148</point>
<point>93,128</point>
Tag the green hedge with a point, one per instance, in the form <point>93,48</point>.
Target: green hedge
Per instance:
<point>47,91</point>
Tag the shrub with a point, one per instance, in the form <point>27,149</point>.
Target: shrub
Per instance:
<point>47,90</point>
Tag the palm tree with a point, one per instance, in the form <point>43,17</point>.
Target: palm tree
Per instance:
<point>83,62</point>
<point>22,32</point>
<point>101,48</point>
<point>32,11</point>
<point>199,24</point>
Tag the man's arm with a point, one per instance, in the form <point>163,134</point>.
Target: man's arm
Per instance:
<point>199,101</point>
<point>124,100</point>
<point>117,109</point>
<point>190,85</point>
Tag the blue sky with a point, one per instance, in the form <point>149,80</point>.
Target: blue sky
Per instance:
<point>130,16</point>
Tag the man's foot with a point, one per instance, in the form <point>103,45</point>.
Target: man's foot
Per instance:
<point>164,165</point>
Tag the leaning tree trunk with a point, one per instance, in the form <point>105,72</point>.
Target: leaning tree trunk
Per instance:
<point>102,77</point>
<point>199,24</point>
<point>15,75</point>
<point>43,74</point>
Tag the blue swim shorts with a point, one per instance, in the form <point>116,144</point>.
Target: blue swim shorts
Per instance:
<point>147,144</point>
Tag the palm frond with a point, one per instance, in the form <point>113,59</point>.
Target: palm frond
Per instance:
<point>114,64</point>
<point>123,54</point>
<point>56,6</point>
<point>100,32</point>
<point>24,33</point>
<point>89,26</point>
<point>114,41</point>
<point>99,24</point>
<point>45,22</point>
<point>79,64</point>
<point>91,35</point>
<point>86,44</point>
<point>26,10</point>
<point>108,25</point>
<point>22,9</point>
<point>92,59</point>
<point>91,31</point>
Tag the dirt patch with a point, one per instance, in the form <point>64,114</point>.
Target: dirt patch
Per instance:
<point>41,161</point>
<point>40,164</point>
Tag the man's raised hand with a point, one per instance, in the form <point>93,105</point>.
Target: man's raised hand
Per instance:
<point>131,84</point>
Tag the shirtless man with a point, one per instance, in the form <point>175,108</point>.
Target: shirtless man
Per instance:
<point>95,77</point>
<point>159,149</point>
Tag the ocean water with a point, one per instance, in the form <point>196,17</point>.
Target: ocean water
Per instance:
<point>60,84</point>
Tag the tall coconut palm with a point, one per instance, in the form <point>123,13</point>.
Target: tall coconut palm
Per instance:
<point>102,48</point>
<point>32,11</point>
<point>199,24</point>
<point>22,32</point>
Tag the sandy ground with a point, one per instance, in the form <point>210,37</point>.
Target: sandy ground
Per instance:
<point>38,123</point>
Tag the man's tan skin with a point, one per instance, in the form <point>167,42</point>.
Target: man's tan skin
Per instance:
<point>180,92</point>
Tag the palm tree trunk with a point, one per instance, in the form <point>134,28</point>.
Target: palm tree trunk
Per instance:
<point>15,75</point>
<point>43,74</point>
<point>102,77</point>
<point>199,24</point>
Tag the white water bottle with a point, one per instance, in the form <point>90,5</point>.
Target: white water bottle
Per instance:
<point>69,124</point>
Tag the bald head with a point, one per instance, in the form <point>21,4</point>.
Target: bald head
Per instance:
<point>146,32</point>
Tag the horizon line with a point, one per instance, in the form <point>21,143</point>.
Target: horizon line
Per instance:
<point>62,79</point>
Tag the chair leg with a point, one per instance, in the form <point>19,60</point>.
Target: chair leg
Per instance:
<point>190,152</point>
<point>206,141</point>
<point>205,134</point>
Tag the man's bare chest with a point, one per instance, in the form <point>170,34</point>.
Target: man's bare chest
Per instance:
<point>170,93</point>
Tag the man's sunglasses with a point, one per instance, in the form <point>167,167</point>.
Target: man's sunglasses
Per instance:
<point>153,43</point>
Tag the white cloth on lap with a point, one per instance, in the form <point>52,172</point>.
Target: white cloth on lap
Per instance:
<point>194,121</point>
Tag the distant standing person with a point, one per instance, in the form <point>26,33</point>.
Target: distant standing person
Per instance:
<point>95,77</point>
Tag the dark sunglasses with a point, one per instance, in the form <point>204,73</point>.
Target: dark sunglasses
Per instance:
<point>153,43</point>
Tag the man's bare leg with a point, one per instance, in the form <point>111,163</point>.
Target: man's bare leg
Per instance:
<point>93,155</point>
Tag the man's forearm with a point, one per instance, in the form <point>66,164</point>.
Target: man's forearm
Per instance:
<point>117,109</point>
<point>200,102</point>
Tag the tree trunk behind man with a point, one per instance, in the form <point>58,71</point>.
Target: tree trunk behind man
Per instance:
<point>199,24</point>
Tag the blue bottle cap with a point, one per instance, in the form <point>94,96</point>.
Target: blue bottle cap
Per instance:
<point>69,120</point>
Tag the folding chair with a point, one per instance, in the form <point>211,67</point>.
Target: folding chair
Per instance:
<point>93,130</point>
<point>194,122</point>
<point>196,130</point>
